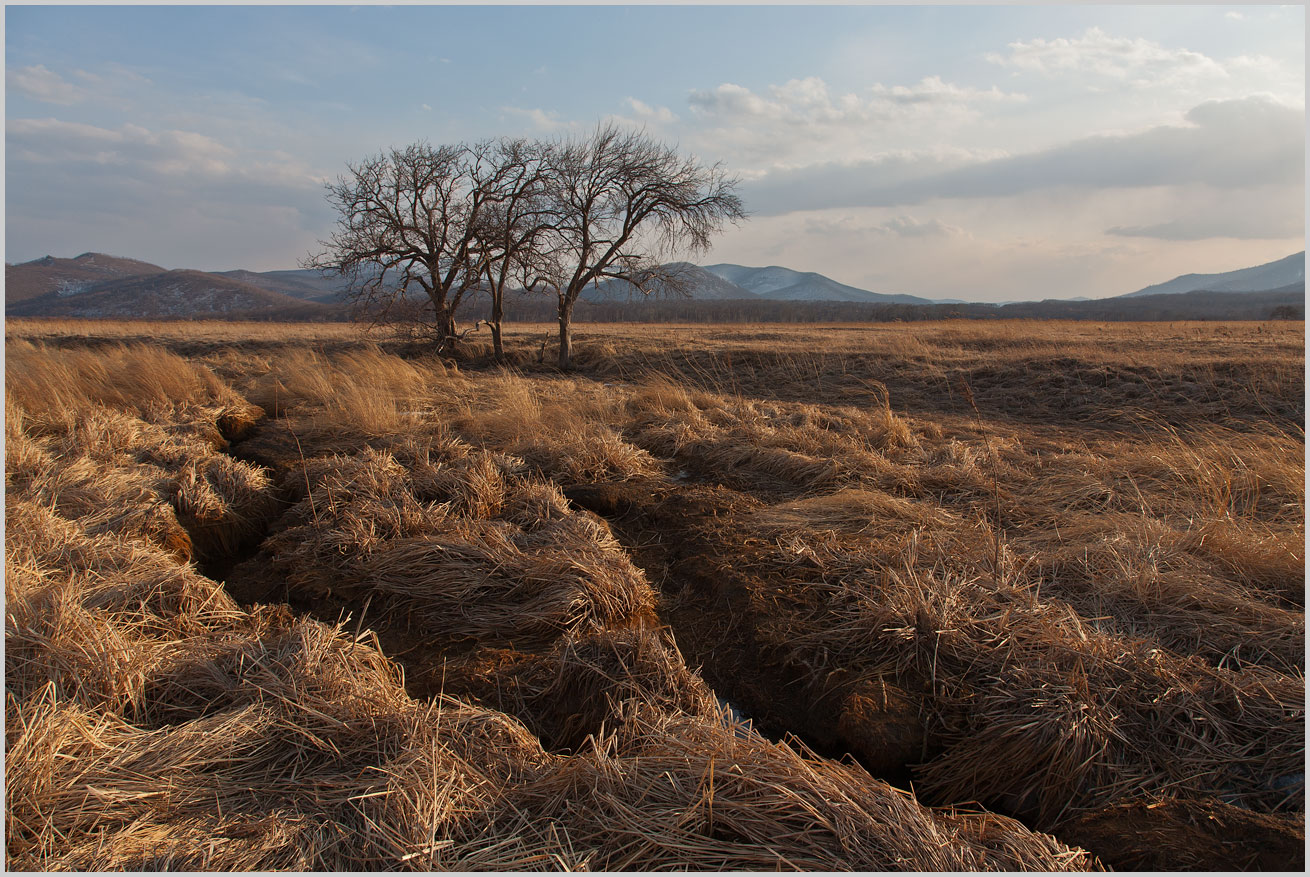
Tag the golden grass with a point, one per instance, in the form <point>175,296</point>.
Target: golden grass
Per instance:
<point>457,540</point>
<point>148,715</point>
<point>1034,707</point>
<point>1090,595</point>
<point>50,383</point>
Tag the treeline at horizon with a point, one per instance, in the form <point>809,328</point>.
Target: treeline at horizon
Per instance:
<point>1278,304</point>
<point>521,308</point>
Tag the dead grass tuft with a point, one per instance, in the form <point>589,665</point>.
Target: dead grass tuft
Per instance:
<point>429,537</point>
<point>1035,710</point>
<point>577,688</point>
<point>54,384</point>
<point>1082,597</point>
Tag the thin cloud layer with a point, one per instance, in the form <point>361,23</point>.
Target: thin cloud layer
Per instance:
<point>43,85</point>
<point>810,101</point>
<point>803,121</point>
<point>1228,144</point>
<point>168,153</point>
<point>1140,62</point>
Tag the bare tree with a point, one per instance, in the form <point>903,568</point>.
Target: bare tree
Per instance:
<point>619,202</point>
<point>516,216</point>
<point>452,220</point>
<point>407,223</point>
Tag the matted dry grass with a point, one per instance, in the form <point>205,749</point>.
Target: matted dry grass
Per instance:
<point>1074,556</point>
<point>153,723</point>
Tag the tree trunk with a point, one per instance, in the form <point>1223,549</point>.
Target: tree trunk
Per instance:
<point>497,312</point>
<point>443,321</point>
<point>565,334</point>
<point>451,333</point>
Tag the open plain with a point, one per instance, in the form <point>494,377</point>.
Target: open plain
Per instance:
<point>948,596</point>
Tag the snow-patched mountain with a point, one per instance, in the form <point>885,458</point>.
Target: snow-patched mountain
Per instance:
<point>184,294</point>
<point>784,284</point>
<point>685,281</point>
<point>1282,273</point>
<point>28,280</point>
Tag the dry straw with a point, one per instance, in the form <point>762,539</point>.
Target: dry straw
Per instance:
<point>153,724</point>
<point>428,537</point>
<point>1031,707</point>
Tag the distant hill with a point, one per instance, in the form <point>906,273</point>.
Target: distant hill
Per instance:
<point>97,285</point>
<point>171,294</point>
<point>1281,274</point>
<point>302,283</point>
<point>1194,305</point>
<point>783,284</point>
<point>1201,305</point>
<point>28,280</point>
<point>687,281</point>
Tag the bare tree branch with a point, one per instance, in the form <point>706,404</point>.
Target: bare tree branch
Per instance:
<point>624,203</point>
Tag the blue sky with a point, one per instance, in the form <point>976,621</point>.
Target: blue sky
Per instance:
<point>974,152</point>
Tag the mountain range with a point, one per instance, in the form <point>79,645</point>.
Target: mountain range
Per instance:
<point>783,284</point>
<point>1278,275</point>
<point>98,285</point>
<point>65,277</point>
<point>684,279</point>
<point>168,294</point>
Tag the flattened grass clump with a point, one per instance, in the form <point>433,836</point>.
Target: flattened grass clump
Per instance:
<point>766,445</point>
<point>458,541</point>
<point>312,758</point>
<point>1031,708</point>
<point>224,504</point>
<point>126,440</point>
<point>92,614</point>
<point>562,429</point>
<point>364,391</point>
<point>578,687</point>
<point>1145,579</point>
<point>670,790</point>
<point>53,385</point>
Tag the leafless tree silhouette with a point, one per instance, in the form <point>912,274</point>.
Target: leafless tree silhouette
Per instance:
<point>556,217</point>
<point>408,222</point>
<point>518,214</point>
<point>621,202</point>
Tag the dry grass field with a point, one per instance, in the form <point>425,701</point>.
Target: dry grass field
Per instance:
<point>940,596</point>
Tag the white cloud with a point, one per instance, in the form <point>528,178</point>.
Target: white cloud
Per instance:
<point>110,87</point>
<point>646,112</point>
<point>932,90</point>
<point>849,226</point>
<point>45,141</point>
<point>165,196</point>
<point>802,121</point>
<point>1140,62</point>
<point>909,227</point>
<point>1235,16</point>
<point>425,107</point>
<point>42,84</point>
<point>1225,144</point>
<point>543,120</point>
<point>808,101</point>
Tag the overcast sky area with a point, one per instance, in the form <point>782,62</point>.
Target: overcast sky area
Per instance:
<point>982,153</point>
